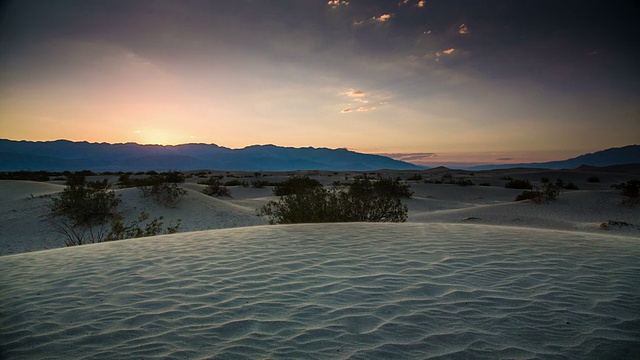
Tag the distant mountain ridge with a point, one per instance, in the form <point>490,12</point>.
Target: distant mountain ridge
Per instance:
<point>61,155</point>
<point>613,156</point>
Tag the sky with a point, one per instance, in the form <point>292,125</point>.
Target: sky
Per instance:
<point>434,82</point>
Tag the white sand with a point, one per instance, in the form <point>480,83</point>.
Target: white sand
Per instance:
<point>358,291</point>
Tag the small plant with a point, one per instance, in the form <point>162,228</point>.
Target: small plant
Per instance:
<point>518,184</point>
<point>259,184</point>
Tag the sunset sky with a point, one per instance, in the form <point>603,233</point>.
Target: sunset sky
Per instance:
<point>435,81</point>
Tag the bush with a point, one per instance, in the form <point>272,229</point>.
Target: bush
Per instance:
<point>120,231</point>
<point>548,192</point>
<point>81,214</point>
<point>362,200</point>
<point>86,205</point>
<point>593,179</point>
<point>415,177</point>
<point>27,175</point>
<point>215,188</point>
<point>236,182</point>
<point>630,190</point>
<point>163,193</point>
<point>259,184</point>
<point>295,185</point>
<point>464,182</point>
<point>518,184</point>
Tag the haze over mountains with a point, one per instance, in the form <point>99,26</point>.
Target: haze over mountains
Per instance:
<point>61,155</point>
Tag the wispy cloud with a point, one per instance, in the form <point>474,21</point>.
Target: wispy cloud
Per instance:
<point>347,110</point>
<point>355,93</point>
<point>382,18</point>
<point>336,3</point>
<point>366,108</point>
<point>463,29</point>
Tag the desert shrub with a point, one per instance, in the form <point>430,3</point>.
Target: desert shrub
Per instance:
<point>163,193</point>
<point>593,179</point>
<point>88,213</point>
<point>134,229</point>
<point>447,179</point>
<point>79,209</point>
<point>172,177</point>
<point>215,188</point>
<point>464,182</point>
<point>630,190</point>
<point>548,192</point>
<point>236,182</point>
<point>507,178</point>
<point>27,175</point>
<point>570,186</point>
<point>535,195</point>
<point>484,184</point>
<point>362,200</point>
<point>518,184</point>
<point>415,177</point>
<point>259,184</point>
<point>295,185</point>
<point>85,205</point>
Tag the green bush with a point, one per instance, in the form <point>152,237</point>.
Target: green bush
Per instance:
<point>362,200</point>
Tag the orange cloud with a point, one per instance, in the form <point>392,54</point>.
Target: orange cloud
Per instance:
<point>382,18</point>
<point>463,29</point>
<point>355,93</point>
<point>344,111</point>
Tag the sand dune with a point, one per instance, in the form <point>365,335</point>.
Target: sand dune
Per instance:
<point>357,291</point>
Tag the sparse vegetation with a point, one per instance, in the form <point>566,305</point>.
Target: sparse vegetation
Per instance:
<point>214,187</point>
<point>362,200</point>
<point>87,212</point>
<point>630,190</point>
<point>295,185</point>
<point>549,191</point>
<point>593,179</point>
<point>518,184</point>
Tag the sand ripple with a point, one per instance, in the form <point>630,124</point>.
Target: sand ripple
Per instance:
<point>358,291</point>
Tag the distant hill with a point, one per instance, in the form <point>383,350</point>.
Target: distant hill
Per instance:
<point>61,155</point>
<point>613,156</point>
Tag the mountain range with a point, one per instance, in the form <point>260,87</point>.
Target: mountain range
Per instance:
<point>61,155</point>
<point>613,156</point>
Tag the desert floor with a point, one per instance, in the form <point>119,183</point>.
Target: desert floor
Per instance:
<point>472,274</point>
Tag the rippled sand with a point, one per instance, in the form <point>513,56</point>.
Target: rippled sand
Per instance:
<point>358,291</point>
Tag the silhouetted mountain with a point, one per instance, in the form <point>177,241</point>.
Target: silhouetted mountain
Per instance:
<point>613,156</point>
<point>61,155</point>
